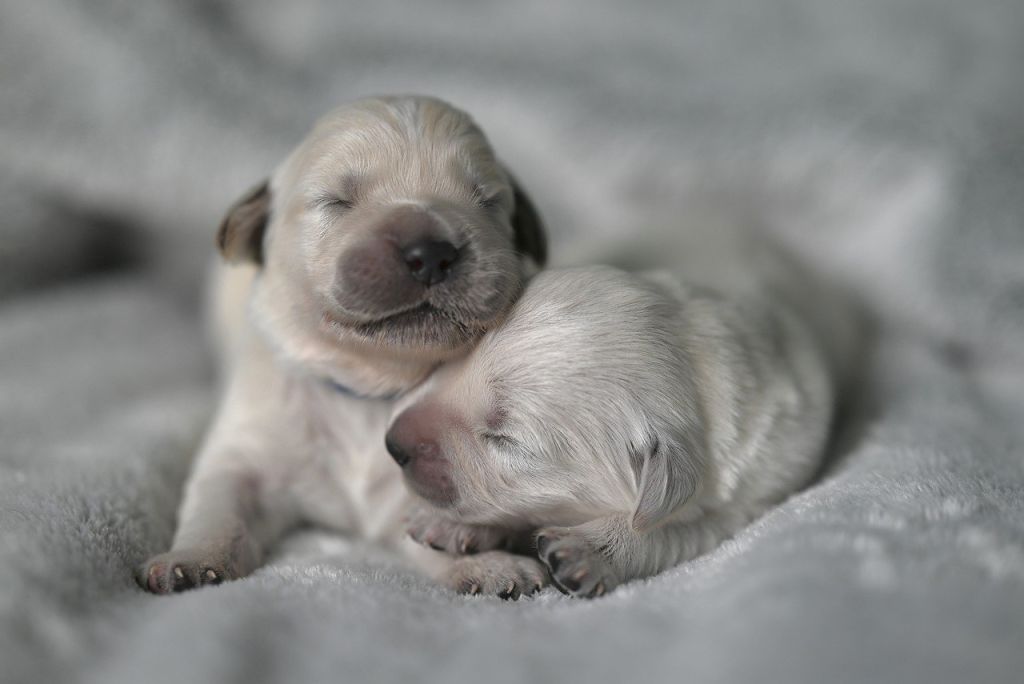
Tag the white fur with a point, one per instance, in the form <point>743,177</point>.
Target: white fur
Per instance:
<point>285,447</point>
<point>635,419</point>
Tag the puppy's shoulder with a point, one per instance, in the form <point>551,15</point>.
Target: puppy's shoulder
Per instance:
<point>675,287</point>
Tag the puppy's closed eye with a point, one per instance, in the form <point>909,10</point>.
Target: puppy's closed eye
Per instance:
<point>487,197</point>
<point>501,441</point>
<point>333,202</point>
<point>490,202</point>
<point>340,197</point>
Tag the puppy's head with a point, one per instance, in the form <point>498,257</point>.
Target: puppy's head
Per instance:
<point>392,229</point>
<point>578,406</point>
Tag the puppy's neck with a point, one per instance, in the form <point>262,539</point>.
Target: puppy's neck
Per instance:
<point>365,370</point>
<point>366,373</point>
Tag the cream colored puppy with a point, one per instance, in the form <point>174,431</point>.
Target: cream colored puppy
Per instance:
<point>633,420</point>
<point>384,245</point>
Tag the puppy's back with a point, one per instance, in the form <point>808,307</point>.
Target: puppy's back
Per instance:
<point>728,253</point>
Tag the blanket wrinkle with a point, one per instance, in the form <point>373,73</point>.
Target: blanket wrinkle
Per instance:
<point>881,140</point>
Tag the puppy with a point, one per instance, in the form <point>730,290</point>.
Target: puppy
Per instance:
<point>633,420</point>
<point>384,245</point>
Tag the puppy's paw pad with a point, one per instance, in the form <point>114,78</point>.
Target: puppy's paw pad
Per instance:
<point>177,571</point>
<point>496,573</point>
<point>577,567</point>
<point>458,539</point>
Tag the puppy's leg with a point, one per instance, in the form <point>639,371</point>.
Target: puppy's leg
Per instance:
<point>495,573</point>
<point>432,528</point>
<point>591,559</point>
<point>226,520</point>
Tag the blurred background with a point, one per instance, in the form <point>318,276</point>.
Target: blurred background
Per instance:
<point>128,127</point>
<point>882,139</point>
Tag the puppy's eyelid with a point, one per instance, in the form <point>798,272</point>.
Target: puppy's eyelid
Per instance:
<point>486,197</point>
<point>500,439</point>
<point>333,201</point>
<point>490,202</point>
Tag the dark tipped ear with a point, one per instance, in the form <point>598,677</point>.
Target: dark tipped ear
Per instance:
<point>667,475</point>
<point>240,237</point>
<point>529,229</point>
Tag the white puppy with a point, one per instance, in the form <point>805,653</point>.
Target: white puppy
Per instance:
<point>635,421</point>
<point>384,245</point>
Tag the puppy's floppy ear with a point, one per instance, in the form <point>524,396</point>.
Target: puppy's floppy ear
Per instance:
<point>529,229</point>
<point>240,237</point>
<point>667,474</point>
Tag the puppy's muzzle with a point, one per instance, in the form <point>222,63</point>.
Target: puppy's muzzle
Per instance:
<point>412,442</point>
<point>407,254</point>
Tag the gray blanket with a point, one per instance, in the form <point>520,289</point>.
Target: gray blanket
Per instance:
<point>883,139</point>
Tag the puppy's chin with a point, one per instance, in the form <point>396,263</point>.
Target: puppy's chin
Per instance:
<point>425,326</point>
<point>443,497</point>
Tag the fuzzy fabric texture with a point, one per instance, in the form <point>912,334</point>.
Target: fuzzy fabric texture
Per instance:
<point>882,139</point>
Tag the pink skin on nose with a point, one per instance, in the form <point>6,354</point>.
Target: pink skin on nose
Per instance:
<point>413,441</point>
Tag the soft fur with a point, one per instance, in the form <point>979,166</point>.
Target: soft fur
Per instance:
<point>884,137</point>
<point>635,420</point>
<point>321,322</point>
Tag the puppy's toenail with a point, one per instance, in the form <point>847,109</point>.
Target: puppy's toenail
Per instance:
<point>599,589</point>
<point>179,573</point>
<point>579,575</point>
<point>474,588</point>
<point>211,575</point>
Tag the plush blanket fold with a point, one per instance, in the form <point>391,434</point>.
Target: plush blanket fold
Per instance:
<point>881,139</point>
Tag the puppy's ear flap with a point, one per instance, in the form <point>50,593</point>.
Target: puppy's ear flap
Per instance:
<point>240,237</point>
<point>667,476</point>
<point>529,229</point>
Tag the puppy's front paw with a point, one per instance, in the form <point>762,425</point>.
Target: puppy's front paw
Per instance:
<point>183,569</point>
<point>459,539</point>
<point>496,573</point>
<point>576,565</point>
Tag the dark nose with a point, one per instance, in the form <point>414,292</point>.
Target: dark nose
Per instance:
<point>430,261</point>
<point>400,455</point>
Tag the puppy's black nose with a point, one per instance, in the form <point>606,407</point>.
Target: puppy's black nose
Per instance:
<point>430,261</point>
<point>400,455</point>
